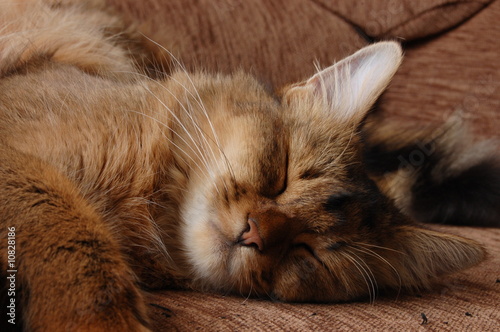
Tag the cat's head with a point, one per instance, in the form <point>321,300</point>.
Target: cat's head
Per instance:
<point>277,201</point>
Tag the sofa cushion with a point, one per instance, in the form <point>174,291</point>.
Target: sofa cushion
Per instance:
<point>281,41</point>
<point>457,73</point>
<point>405,19</point>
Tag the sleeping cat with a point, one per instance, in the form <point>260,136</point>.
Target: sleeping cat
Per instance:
<point>112,182</point>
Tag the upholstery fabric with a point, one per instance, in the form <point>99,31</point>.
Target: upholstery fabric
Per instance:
<point>459,72</point>
<point>282,41</point>
<point>407,20</point>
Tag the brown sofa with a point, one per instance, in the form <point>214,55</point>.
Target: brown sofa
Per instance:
<point>452,66</point>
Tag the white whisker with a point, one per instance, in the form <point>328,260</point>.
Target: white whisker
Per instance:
<point>174,144</point>
<point>200,153</point>
<point>376,255</point>
<point>364,274</point>
<point>369,273</point>
<point>198,99</point>
<point>204,141</point>
<point>195,143</point>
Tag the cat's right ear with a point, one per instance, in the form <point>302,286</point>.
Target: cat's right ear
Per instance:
<point>348,89</point>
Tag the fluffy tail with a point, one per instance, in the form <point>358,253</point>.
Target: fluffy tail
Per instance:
<point>435,174</point>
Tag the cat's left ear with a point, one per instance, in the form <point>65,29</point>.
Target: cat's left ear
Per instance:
<point>420,255</point>
<point>349,88</point>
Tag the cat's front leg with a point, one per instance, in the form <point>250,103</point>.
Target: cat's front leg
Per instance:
<point>70,272</point>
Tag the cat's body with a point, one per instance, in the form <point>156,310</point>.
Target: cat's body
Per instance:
<point>114,181</point>
<point>111,158</point>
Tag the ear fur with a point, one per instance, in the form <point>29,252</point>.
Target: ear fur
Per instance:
<point>426,254</point>
<point>350,87</point>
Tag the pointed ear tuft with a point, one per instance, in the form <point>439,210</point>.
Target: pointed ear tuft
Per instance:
<point>428,254</point>
<point>350,87</point>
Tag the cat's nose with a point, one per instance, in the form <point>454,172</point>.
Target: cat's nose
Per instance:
<point>266,228</point>
<point>251,236</point>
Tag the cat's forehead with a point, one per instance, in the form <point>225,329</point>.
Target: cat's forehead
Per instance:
<point>251,115</point>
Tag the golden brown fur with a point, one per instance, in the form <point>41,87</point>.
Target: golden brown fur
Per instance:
<point>114,181</point>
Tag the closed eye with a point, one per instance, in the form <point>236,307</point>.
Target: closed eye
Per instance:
<point>285,180</point>
<point>284,184</point>
<point>304,246</point>
<point>337,201</point>
<point>310,250</point>
<point>310,174</point>
<point>283,188</point>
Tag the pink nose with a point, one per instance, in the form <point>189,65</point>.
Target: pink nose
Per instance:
<point>266,229</point>
<point>252,236</point>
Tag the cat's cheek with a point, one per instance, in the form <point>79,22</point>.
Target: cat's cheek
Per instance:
<point>208,264</point>
<point>303,279</point>
<point>205,250</point>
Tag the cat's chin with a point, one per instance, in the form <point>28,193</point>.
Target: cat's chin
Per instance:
<point>217,261</point>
